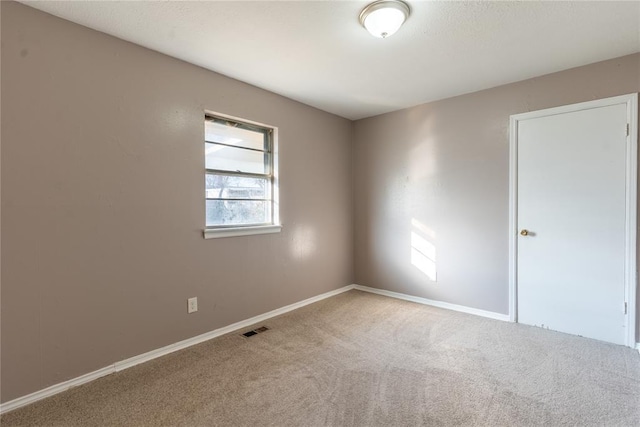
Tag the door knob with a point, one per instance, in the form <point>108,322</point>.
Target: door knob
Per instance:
<point>524,232</point>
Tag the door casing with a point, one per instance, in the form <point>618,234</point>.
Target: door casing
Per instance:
<point>630,274</point>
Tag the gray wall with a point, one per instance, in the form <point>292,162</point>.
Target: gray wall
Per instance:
<point>446,165</point>
<point>102,187</point>
<point>103,210</point>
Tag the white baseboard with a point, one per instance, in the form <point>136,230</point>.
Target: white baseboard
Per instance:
<point>434,303</point>
<point>145,357</point>
<point>55,389</point>
<point>638,346</point>
<point>153,354</point>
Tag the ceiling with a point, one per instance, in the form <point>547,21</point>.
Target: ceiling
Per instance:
<point>317,53</point>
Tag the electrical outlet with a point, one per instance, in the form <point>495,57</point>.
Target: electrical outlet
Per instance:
<point>192,305</point>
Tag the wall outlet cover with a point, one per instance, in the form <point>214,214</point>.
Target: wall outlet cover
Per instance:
<point>192,305</point>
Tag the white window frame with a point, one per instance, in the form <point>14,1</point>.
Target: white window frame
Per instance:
<point>213,232</point>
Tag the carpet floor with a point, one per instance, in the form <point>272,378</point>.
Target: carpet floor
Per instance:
<point>359,359</point>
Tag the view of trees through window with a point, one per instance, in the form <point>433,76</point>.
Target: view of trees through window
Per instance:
<point>239,173</point>
<point>223,210</point>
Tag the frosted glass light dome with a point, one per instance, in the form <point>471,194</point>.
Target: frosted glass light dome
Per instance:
<point>383,18</point>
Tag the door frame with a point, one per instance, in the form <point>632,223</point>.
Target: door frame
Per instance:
<point>631,101</point>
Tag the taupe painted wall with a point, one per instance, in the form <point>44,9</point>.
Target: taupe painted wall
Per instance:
<point>103,210</point>
<point>102,186</point>
<point>446,165</point>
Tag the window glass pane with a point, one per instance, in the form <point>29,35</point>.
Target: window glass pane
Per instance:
<point>236,187</point>
<point>235,212</point>
<point>233,159</point>
<point>230,135</point>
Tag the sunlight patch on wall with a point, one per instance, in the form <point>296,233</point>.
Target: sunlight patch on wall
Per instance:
<point>423,251</point>
<point>303,243</point>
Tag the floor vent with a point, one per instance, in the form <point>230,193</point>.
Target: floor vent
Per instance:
<point>255,331</point>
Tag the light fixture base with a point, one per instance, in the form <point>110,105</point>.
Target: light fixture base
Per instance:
<point>383,18</point>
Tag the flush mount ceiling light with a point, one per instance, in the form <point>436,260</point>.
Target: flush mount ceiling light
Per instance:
<point>384,17</point>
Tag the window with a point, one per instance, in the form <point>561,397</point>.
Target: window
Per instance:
<point>240,178</point>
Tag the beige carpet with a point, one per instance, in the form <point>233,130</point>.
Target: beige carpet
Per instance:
<point>359,359</point>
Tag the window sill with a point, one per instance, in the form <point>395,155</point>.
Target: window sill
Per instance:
<point>216,233</point>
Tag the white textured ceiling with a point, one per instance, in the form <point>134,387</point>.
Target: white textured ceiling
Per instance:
<point>317,53</point>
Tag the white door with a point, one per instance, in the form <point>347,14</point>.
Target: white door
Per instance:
<point>572,222</point>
